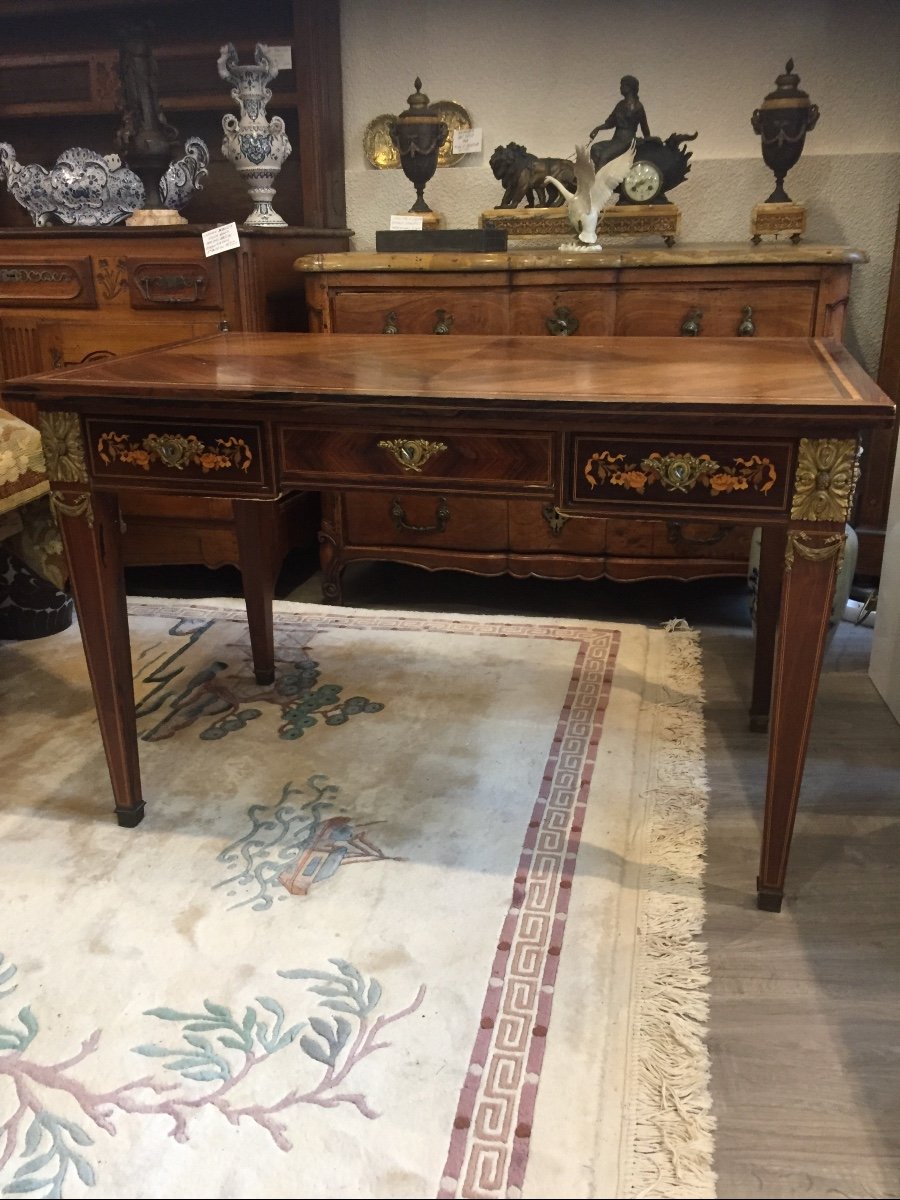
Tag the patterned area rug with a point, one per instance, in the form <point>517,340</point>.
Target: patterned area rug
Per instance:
<point>504,997</point>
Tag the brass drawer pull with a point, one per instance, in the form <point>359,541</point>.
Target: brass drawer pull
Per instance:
<point>442,516</point>
<point>563,323</point>
<point>690,326</point>
<point>58,360</point>
<point>674,535</point>
<point>390,323</point>
<point>158,289</point>
<point>443,322</point>
<point>746,328</point>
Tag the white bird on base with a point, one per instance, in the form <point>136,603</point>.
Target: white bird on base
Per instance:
<point>593,192</point>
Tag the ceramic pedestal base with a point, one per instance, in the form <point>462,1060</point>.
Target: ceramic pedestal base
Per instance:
<point>156,216</point>
<point>778,220</point>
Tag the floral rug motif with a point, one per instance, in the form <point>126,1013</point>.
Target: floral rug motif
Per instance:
<point>504,997</point>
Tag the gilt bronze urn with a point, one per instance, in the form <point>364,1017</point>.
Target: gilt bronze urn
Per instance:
<point>418,134</point>
<point>782,121</point>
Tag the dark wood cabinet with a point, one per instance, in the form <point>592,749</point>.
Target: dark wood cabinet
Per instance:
<point>699,291</point>
<point>59,87</point>
<point>75,295</point>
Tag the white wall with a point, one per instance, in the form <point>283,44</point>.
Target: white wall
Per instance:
<point>545,73</point>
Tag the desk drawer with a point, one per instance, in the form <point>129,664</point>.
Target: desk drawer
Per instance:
<point>172,454</point>
<point>455,460</point>
<point>714,477</point>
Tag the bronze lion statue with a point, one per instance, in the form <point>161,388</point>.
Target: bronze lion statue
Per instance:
<point>524,176</point>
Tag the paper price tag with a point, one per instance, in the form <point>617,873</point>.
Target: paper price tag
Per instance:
<point>280,57</point>
<point>406,221</point>
<point>223,237</point>
<point>466,141</point>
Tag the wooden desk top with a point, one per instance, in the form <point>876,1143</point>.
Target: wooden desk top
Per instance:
<point>779,376</point>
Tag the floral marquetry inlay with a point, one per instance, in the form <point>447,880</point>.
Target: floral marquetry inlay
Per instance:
<point>680,472</point>
<point>827,471</point>
<point>175,450</point>
<point>63,447</point>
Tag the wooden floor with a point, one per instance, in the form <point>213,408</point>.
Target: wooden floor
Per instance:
<point>805,1014</point>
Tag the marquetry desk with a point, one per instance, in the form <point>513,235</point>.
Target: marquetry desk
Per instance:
<point>766,431</point>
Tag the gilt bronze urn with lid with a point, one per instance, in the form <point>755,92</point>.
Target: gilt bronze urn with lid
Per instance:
<point>418,134</point>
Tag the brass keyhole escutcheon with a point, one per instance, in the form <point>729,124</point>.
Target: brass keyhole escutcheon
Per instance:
<point>411,453</point>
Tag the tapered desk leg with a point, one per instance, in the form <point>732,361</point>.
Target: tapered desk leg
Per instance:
<point>768,603</point>
<point>811,562</point>
<point>255,525</point>
<point>91,533</point>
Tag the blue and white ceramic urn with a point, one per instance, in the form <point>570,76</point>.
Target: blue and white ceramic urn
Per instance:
<point>255,144</point>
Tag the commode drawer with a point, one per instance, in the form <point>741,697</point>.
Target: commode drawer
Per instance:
<point>424,519</point>
<point>438,310</point>
<point>538,527</point>
<point>66,343</point>
<point>717,540</point>
<point>46,281</point>
<point>563,311</point>
<point>726,310</point>
<point>173,285</point>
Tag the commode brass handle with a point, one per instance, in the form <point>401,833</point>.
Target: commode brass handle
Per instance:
<point>390,323</point>
<point>443,321</point>
<point>746,328</point>
<point>563,323</point>
<point>690,326</point>
<point>442,516</point>
<point>675,534</point>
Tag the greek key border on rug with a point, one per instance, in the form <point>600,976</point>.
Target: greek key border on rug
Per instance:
<point>490,1139</point>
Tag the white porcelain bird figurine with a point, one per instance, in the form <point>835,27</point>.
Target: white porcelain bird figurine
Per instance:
<point>593,191</point>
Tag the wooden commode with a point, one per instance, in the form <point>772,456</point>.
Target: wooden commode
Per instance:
<point>700,291</point>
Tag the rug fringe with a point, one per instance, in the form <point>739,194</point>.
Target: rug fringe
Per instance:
<point>670,1105</point>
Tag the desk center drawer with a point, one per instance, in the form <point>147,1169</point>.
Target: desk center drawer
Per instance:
<point>455,460</point>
